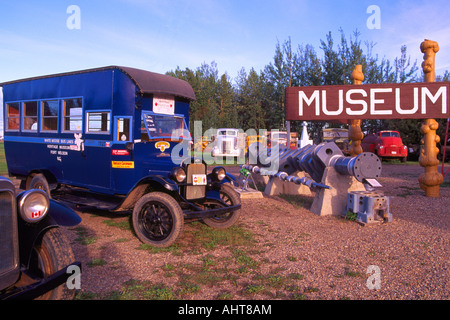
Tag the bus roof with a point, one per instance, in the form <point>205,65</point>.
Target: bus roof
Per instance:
<point>146,82</point>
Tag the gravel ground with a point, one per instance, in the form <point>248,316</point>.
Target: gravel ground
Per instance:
<point>290,253</point>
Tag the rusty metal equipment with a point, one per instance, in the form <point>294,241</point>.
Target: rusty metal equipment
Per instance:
<point>313,159</point>
<point>369,207</point>
<point>283,176</point>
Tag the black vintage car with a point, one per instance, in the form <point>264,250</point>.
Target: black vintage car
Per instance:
<point>36,260</point>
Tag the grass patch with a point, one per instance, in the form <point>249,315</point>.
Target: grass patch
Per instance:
<point>311,289</point>
<point>351,216</point>
<point>244,260</point>
<point>174,249</point>
<point>296,276</point>
<point>123,225</point>
<point>96,262</point>
<point>210,238</point>
<point>354,274</point>
<point>254,289</point>
<point>3,166</point>
<point>187,288</point>
<point>83,236</point>
<point>144,290</point>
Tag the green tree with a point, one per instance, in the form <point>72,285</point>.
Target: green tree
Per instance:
<point>249,102</point>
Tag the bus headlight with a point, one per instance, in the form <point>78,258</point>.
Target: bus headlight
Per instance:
<point>178,174</point>
<point>219,173</point>
<point>33,205</point>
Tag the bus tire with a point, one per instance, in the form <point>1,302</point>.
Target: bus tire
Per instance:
<point>230,197</point>
<point>40,182</point>
<point>157,219</point>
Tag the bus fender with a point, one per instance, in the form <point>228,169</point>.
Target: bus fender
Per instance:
<point>146,184</point>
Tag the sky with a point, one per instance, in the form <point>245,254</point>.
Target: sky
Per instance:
<point>46,37</point>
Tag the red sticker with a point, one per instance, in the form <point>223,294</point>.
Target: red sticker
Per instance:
<point>120,152</point>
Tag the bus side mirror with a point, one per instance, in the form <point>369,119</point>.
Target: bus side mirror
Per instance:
<point>129,146</point>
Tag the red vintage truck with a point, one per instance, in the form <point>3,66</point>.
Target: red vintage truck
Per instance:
<point>386,145</point>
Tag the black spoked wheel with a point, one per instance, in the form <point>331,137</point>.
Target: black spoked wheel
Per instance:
<point>225,220</point>
<point>157,219</point>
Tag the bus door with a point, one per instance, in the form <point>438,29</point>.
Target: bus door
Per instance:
<point>122,160</point>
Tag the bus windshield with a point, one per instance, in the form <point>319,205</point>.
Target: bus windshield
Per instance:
<point>156,126</point>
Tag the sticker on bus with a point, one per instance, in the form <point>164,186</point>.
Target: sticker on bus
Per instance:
<point>123,164</point>
<point>199,179</point>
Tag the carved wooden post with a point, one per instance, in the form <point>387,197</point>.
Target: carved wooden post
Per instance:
<point>354,130</point>
<point>431,179</point>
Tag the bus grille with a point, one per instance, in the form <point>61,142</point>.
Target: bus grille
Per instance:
<point>195,192</point>
<point>8,237</point>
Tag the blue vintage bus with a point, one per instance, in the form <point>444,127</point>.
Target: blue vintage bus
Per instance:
<point>105,138</point>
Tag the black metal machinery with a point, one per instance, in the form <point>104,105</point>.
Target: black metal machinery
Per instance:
<point>283,163</point>
<point>312,159</point>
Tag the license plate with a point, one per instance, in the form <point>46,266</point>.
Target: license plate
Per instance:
<point>394,152</point>
<point>199,179</point>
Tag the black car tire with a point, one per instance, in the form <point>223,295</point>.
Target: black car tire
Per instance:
<point>231,198</point>
<point>39,182</point>
<point>50,255</point>
<point>157,219</point>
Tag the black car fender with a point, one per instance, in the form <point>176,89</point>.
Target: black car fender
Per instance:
<point>230,178</point>
<point>154,183</point>
<point>31,234</point>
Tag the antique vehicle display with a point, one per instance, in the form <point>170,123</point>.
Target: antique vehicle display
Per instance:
<point>115,138</point>
<point>338,136</point>
<point>227,143</point>
<point>275,137</point>
<point>386,145</point>
<point>34,253</point>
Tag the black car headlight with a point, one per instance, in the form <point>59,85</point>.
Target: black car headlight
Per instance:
<point>33,205</point>
<point>178,174</point>
<point>219,173</point>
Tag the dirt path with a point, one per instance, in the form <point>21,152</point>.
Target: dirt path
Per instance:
<point>278,250</point>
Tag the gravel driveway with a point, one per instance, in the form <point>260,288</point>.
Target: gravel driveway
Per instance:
<point>279,250</point>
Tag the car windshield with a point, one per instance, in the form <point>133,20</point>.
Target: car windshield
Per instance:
<point>279,135</point>
<point>227,133</point>
<point>163,126</point>
<point>390,134</point>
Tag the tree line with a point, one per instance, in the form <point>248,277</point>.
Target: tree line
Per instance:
<point>255,100</point>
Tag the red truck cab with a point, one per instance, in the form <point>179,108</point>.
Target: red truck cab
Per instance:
<point>386,145</point>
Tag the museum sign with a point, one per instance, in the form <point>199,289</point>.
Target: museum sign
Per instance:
<point>369,101</point>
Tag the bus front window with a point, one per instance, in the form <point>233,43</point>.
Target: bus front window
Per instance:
<point>164,126</point>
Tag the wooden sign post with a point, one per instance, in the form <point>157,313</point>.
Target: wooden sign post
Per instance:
<point>425,100</point>
<point>431,179</point>
<point>355,134</point>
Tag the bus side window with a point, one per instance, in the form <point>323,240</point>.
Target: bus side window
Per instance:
<point>13,116</point>
<point>72,115</point>
<point>49,115</point>
<point>123,129</point>
<point>29,119</point>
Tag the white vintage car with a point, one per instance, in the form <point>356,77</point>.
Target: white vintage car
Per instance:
<point>226,143</point>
